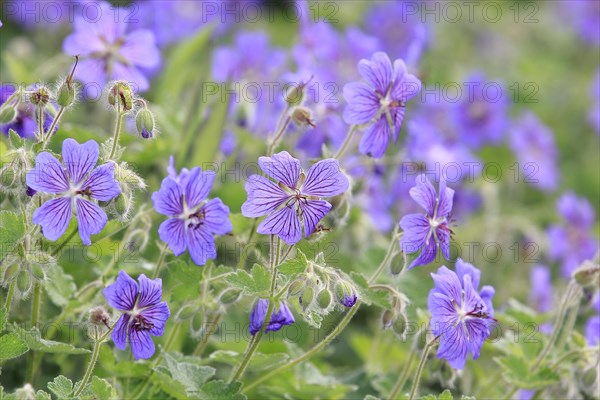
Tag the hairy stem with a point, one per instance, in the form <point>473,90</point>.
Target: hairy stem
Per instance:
<point>48,135</point>
<point>95,354</point>
<point>9,296</point>
<point>35,318</point>
<point>417,379</point>
<point>282,124</point>
<point>211,328</point>
<point>404,374</point>
<point>346,143</point>
<point>117,134</point>
<point>161,259</point>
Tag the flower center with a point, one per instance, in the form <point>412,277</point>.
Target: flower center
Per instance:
<point>141,324</point>
<point>196,220</point>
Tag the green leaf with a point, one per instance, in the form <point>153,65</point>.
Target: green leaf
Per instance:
<point>186,279</point>
<point>41,395</point>
<point>122,368</point>
<point>294,266</point>
<point>34,340</point>
<point>517,371</point>
<point>12,230</point>
<point>259,362</point>
<point>240,223</point>
<point>98,389</point>
<point>60,286</point>
<point>12,346</point>
<point>62,387</point>
<point>257,283</point>
<point>16,141</point>
<point>221,390</point>
<point>190,376</point>
<point>370,296</point>
<point>445,395</point>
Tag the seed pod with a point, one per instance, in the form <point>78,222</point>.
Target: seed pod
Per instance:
<point>396,264</point>
<point>23,281</point>
<point>307,297</point>
<point>121,204</point>
<point>230,296</point>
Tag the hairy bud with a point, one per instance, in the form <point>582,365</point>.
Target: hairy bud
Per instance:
<point>345,293</point>
<point>8,113</point>
<point>40,96</point>
<point>324,298</point>
<point>144,122</point>
<point>120,96</point>
<point>302,117</point>
<point>588,274</point>
<point>99,316</point>
<point>186,312</point>
<point>230,296</point>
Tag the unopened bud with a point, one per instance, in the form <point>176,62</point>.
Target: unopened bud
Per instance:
<point>186,312</point>
<point>120,96</point>
<point>66,95</point>
<point>99,316</point>
<point>10,273</point>
<point>122,204</point>
<point>7,176</point>
<point>230,296</point>
<point>387,319</point>
<point>40,96</point>
<point>30,192</point>
<point>345,293</point>
<point>324,298</point>
<point>295,94</point>
<point>302,117</point>
<point>296,287</point>
<point>23,281</point>
<point>588,274</point>
<point>396,264</point>
<point>400,324</point>
<point>37,272</point>
<point>8,113</point>
<point>307,297</point>
<point>144,122</point>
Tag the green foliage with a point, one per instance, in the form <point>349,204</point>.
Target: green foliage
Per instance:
<point>98,389</point>
<point>62,387</point>
<point>60,286</point>
<point>12,346</point>
<point>520,373</point>
<point>221,390</point>
<point>294,266</point>
<point>257,283</point>
<point>370,296</point>
<point>12,229</point>
<point>34,340</point>
<point>181,379</point>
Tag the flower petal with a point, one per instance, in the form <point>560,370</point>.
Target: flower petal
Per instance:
<point>91,219</point>
<point>363,104</point>
<point>377,71</point>
<point>446,199</point>
<point>375,138</point>
<point>172,232</point>
<point>325,179</point>
<point>201,245</point>
<point>283,316</point>
<point>157,315</point>
<point>168,200</point>
<point>150,291</point>
<point>139,48</point>
<point>312,212</point>
<point>216,217</point>
<point>141,343</point>
<point>123,293</point>
<point>415,229</point>
<point>427,254</point>
<point>264,197</point>
<point>119,333</point>
<point>48,175</point>
<point>102,183</point>
<point>282,167</point>
<point>284,223</point>
<point>447,283</point>
<point>257,316</point>
<point>54,216</point>
<point>198,186</point>
<point>424,194</point>
<point>464,268</point>
<point>79,158</point>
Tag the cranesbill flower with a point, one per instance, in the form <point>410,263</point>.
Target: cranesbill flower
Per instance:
<point>294,200</point>
<point>193,219</point>
<point>279,317</point>
<point>379,103</point>
<point>144,313</point>
<point>75,185</point>
<point>584,16</point>
<point>25,123</point>
<point>109,52</point>
<point>573,242</point>
<point>533,144</point>
<point>460,316</point>
<point>428,232</point>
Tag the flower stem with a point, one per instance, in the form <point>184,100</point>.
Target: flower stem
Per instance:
<point>402,378</point>
<point>35,318</point>
<point>282,124</point>
<point>95,354</point>
<point>161,259</point>
<point>417,379</point>
<point>336,331</point>
<point>46,137</point>
<point>40,121</point>
<point>346,143</point>
<point>211,328</point>
<point>116,135</point>
<point>9,296</point>
<point>253,345</point>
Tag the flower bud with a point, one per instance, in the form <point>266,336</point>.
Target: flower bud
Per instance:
<point>296,287</point>
<point>40,96</point>
<point>8,113</point>
<point>66,94</point>
<point>230,296</point>
<point>7,176</point>
<point>120,96</point>
<point>37,272</point>
<point>324,298</point>
<point>302,117</point>
<point>99,316</point>
<point>30,192</point>
<point>10,273</point>
<point>121,204</point>
<point>345,293</point>
<point>400,324</point>
<point>144,122</point>
<point>23,281</point>
<point>387,319</point>
<point>186,312</point>
<point>307,297</point>
<point>396,264</point>
<point>588,274</point>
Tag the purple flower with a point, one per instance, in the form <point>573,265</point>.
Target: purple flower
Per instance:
<point>294,200</point>
<point>460,316</point>
<point>75,185</point>
<point>592,326</point>
<point>402,33</point>
<point>541,288</point>
<point>279,318</point>
<point>594,113</point>
<point>573,242</point>
<point>533,143</point>
<point>584,15</point>
<point>143,313</point>
<point>481,117</point>
<point>430,231</point>
<point>25,124</point>
<point>109,52</point>
<point>193,219</point>
<point>46,15</point>
<point>380,104</point>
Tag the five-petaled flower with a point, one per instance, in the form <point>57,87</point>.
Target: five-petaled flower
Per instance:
<point>193,218</point>
<point>279,317</point>
<point>381,102</point>
<point>430,231</point>
<point>294,199</point>
<point>144,313</point>
<point>460,316</point>
<point>76,185</point>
